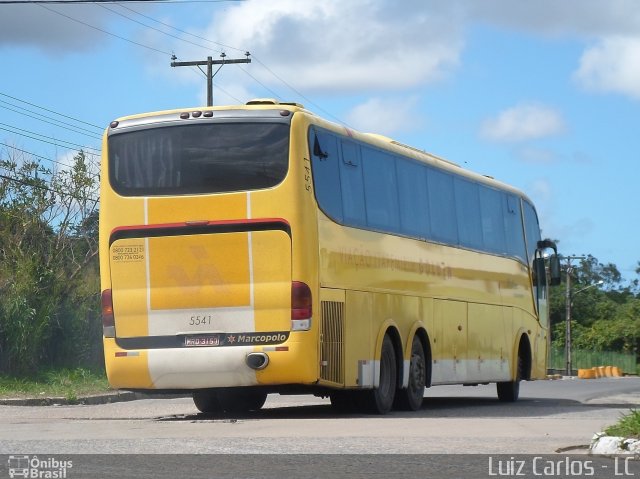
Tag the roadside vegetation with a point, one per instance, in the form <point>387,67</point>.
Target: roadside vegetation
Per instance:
<point>49,283</point>
<point>67,383</point>
<point>628,426</point>
<point>604,318</point>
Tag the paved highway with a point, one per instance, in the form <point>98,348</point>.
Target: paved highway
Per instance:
<point>550,416</point>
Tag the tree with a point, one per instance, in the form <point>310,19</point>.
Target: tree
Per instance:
<point>635,284</point>
<point>591,271</point>
<point>48,249</point>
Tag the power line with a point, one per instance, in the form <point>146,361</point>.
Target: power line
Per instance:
<point>51,111</point>
<point>307,100</point>
<point>120,2</point>
<point>261,84</point>
<point>196,44</point>
<point>53,121</point>
<point>209,62</point>
<point>54,141</point>
<point>219,44</point>
<point>276,76</point>
<point>183,31</point>
<point>58,123</point>
<point>152,28</point>
<point>47,188</point>
<point>95,175</point>
<point>67,2</point>
<point>183,40</point>
<point>104,31</point>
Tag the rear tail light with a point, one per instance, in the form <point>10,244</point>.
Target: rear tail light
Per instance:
<point>108,321</point>
<point>301,306</point>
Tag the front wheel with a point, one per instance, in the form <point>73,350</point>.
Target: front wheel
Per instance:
<point>380,399</point>
<point>509,391</point>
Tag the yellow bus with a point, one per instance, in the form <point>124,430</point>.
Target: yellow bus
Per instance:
<point>256,249</point>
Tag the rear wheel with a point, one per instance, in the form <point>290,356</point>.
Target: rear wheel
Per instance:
<point>206,400</point>
<point>380,399</point>
<point>509,391</point>
<point>344,401</point>
<point>233,400</point>
<point>241,400</point>
<point>410,399</point>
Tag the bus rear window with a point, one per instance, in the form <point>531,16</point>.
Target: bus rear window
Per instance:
<point>198,158</point>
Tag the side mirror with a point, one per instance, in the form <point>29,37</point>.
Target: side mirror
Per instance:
<point>554,270</point>
<point>547,244</point>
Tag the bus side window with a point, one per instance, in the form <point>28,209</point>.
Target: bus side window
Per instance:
<point>492,220</point>
<point>380,190</point>
<point>513,228</point>
<point>442,206</point>
<point>532,230</point>
<point>412,198</point>
<point>351,183</point>
<point>326,174</point>
<point>468,213</point>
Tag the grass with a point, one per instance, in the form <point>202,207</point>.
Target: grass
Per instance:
<point>628,426</point>
<point>67,383</point>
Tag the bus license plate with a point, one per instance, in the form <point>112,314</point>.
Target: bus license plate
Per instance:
<point>201,341</point>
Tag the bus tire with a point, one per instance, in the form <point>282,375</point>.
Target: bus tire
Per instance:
<point>509,391</point>
<point>206,401</point>
<point>380,400</point>
<point>344,401</point>
<point>217,401</point>
<point>238,400</point>
<point>410,398</point>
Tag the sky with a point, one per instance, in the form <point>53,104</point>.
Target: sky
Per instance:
<point>541,95</point>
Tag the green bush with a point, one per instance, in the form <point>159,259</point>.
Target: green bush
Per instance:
<point>49,281</point>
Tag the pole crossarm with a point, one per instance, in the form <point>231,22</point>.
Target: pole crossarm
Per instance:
<point>209,62</point>
<point>213,62</point>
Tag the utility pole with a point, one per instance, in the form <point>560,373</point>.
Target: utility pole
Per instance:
<point>209,62</point>
<point>567,338</point>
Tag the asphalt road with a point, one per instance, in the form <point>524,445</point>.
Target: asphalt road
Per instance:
<point>550,416</point>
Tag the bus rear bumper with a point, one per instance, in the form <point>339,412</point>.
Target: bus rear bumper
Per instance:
<point>210,367</point>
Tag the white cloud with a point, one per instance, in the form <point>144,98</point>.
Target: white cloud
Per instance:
<point>612,66</point>
<point>584,18</point>
<point>360,45</point>
<point>56,33</point>
<point>523,122</point>
<point>385,116</point>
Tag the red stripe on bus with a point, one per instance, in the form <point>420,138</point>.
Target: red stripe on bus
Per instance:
<point>187,224</point>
